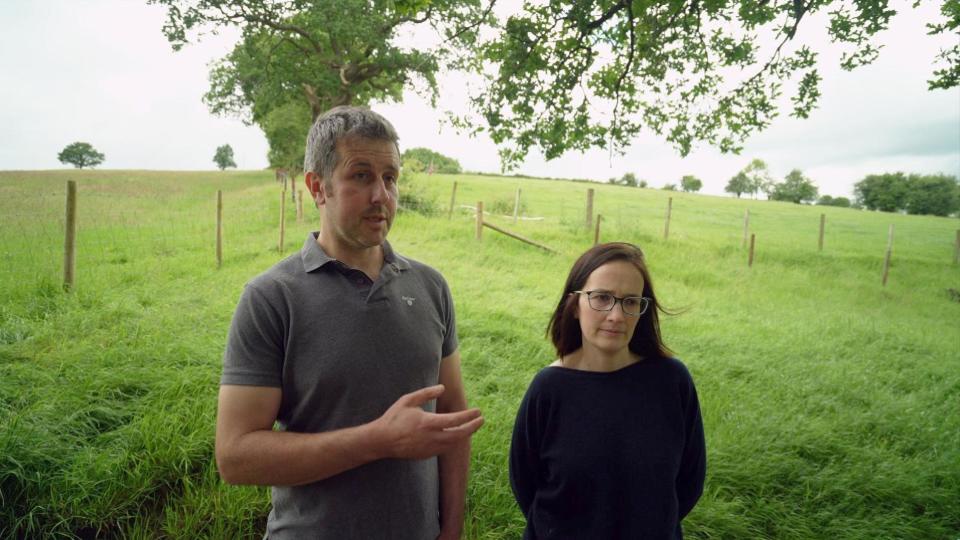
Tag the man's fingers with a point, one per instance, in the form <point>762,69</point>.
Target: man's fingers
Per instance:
<point>469,428</point>
<point>454,419</point>
<point>421,396</point>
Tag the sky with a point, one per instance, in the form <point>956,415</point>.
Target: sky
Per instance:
<point>102,72</point>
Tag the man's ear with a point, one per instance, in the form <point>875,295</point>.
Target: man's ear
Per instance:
<point>315,185</point>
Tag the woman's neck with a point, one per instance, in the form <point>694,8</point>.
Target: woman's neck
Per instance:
<point>590,359</point>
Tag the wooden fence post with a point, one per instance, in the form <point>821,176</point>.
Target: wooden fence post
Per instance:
<point>70,238</point>
<point>283,221</point>
<point>886,259</point>
<point>823,220</point>
<point>453,199</point>
<point>596,232</point>
<point>299,206</point>
<point>666,225</point>
<point>746,226</point>
<point>479,219</point>
<point>956,249</point>
<point>219,228</point>
<point>589,208</point>
<point>750,259</point>
<point>516,206</point>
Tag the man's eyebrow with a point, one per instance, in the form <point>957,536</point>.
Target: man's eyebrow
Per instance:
<point>366,163</point>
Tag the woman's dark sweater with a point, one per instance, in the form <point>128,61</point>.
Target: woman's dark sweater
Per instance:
<point>608,454</point>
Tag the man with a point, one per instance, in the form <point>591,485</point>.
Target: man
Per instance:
<point>342,345</point>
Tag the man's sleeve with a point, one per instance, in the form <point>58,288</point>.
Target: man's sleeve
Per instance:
<point>450,342</point>
<point>255,344</point>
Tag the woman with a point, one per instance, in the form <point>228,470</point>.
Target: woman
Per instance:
<point>608,442</point>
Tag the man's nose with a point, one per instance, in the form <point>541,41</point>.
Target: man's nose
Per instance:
<point>379,191</point>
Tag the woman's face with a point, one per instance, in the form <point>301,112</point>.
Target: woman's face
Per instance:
<point>609,331</point>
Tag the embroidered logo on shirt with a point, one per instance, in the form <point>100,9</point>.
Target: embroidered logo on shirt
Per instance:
<point>408,299</point>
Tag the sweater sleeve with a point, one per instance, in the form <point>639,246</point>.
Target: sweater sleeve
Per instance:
<point>693,462</point>
<point>524,451</point>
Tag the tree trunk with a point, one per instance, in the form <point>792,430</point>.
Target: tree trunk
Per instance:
<point>319,105</point>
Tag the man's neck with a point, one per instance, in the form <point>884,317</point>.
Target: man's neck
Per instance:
<point>367,260</point>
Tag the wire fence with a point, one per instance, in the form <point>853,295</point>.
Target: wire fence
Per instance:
<point>120,237</point>
<point>125,233</point>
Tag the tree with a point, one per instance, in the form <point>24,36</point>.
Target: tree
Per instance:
<point>669,187</point>
<point>566,76</point>
<point>224,157</point>
<point>691,183</point>
<point>304,55</point>
<point>433,161</point>
<point>643,184</point>
<point>80,155</point>
<point>629,179</point>
<point>795,188</point>
<point>759,176</point>
<point>885,192</point>
<point>412,165</point>
<point>937,195</point>
<point>827,200</point>
<point>286,130</point>
<point>739,184</point>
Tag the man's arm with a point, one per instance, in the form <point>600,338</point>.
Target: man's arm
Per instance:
<point>249,451</point>
<point>455,462</point>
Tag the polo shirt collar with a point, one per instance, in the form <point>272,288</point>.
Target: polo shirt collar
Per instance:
<point>314,257</point>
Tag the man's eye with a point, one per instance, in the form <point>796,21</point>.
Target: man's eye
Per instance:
<point>361,175</point>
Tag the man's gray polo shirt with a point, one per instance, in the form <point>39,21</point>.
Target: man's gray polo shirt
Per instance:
<point>343,348</point>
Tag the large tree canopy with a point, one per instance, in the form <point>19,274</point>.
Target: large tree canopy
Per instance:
<point>309,55</point>
<point>559,75</point>
<point>565,75</point>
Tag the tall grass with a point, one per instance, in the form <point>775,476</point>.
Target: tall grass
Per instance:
<point>830,402</point>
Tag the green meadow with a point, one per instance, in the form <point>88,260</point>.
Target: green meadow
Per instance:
<point>831,403</point>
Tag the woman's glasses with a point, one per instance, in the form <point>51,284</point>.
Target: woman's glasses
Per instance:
<point>604,301</point>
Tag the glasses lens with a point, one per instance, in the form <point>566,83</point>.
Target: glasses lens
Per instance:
<point>601,301</point>
<point>634,305</point>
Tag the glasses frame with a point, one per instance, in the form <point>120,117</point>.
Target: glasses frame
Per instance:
<point>616,300</point>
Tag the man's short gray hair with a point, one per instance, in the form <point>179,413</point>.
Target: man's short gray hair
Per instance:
<point>339,123</point>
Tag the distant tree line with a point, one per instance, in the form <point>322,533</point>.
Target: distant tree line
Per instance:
<point>936,194</point>
<point>756,178</point>
<point>425,160</point>
<point>827,200</point>
<point>628,179</point>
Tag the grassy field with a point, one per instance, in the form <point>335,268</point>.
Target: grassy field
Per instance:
<point>830,402</point>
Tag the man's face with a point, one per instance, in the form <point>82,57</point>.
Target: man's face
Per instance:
<point>360,197</point>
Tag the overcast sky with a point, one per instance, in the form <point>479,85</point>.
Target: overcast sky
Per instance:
<point>101,71</point>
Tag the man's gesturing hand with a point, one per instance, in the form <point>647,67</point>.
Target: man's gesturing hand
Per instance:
<point>409,432</point>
